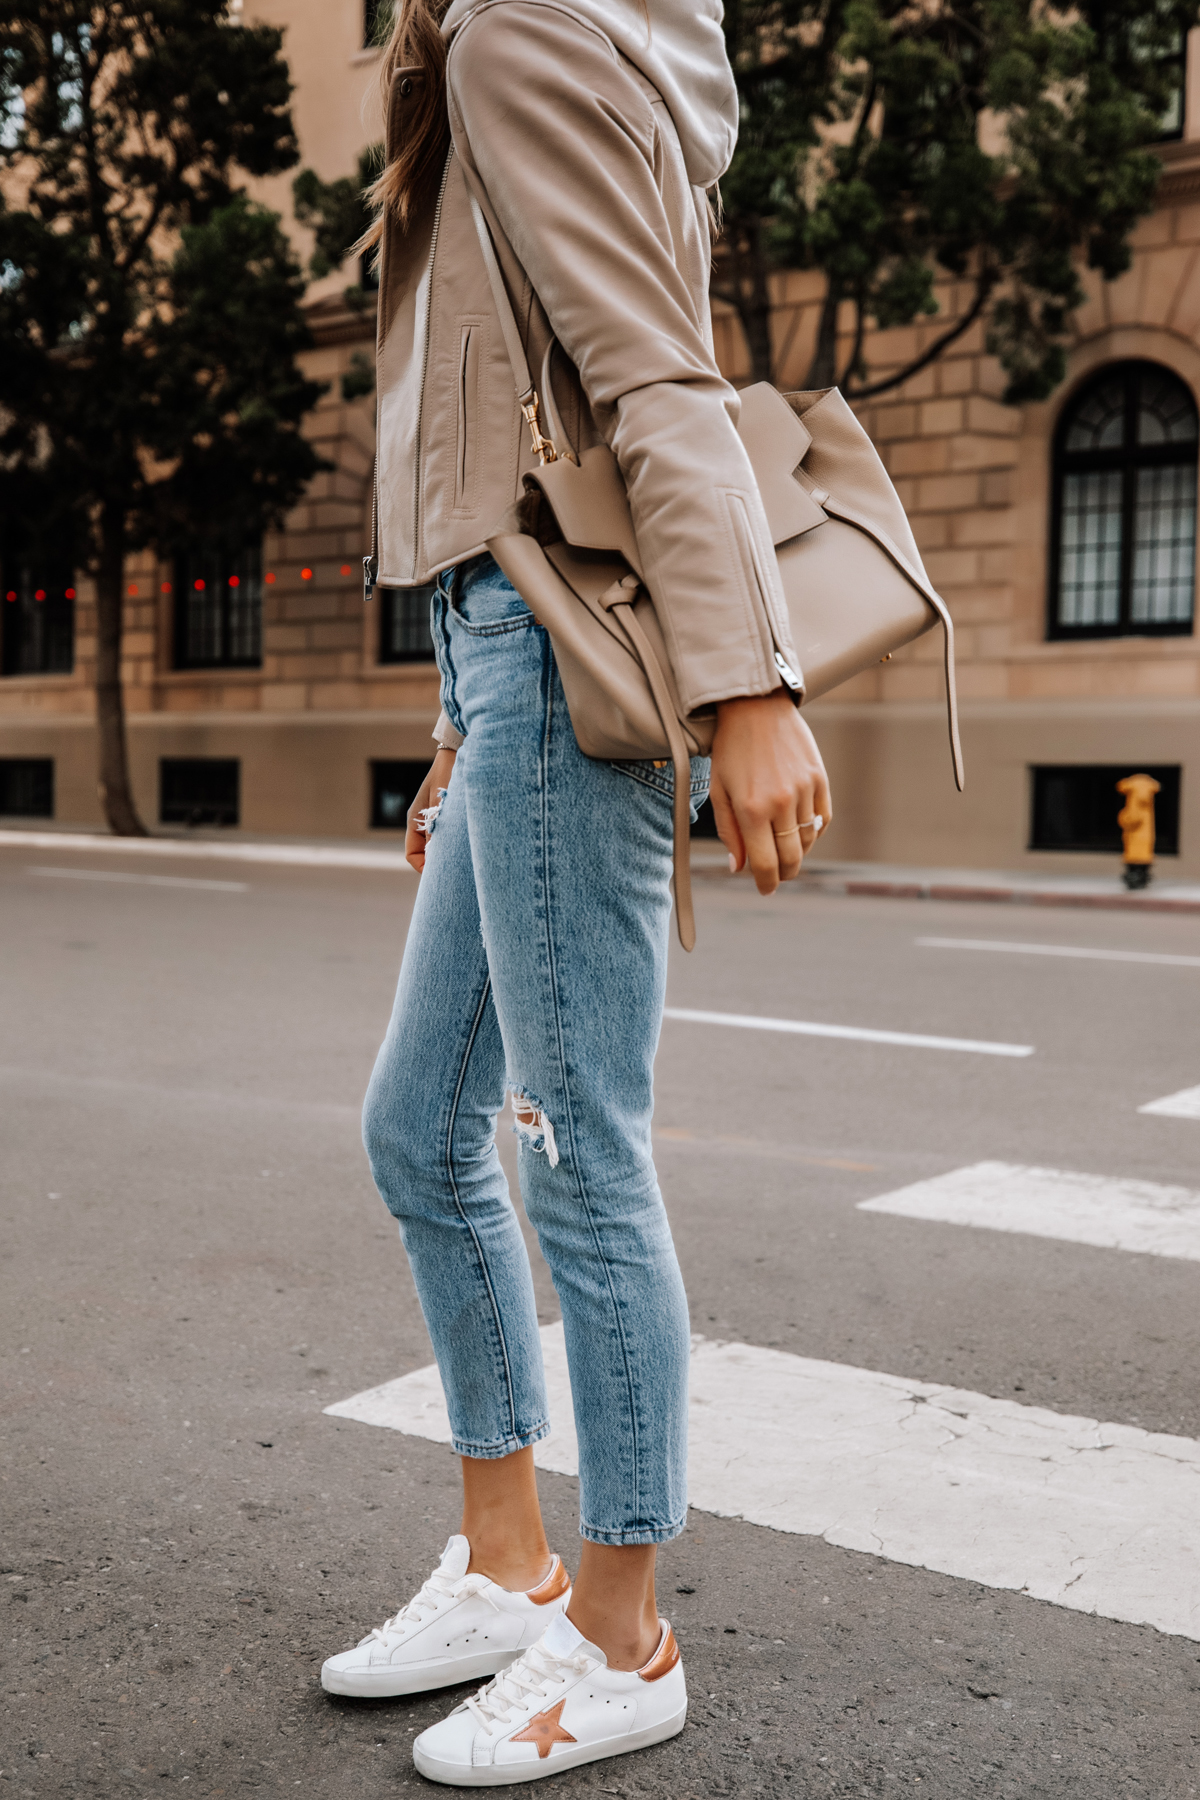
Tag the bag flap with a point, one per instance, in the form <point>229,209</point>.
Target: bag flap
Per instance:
<point>776,442</point>
<point>589,503</point>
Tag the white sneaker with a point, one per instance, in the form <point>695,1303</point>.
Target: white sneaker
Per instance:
<point>487,1627</point>
<point>557,1706</point>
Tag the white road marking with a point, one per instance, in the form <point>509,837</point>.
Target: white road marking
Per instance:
<point>302,856</point>
<point>1056,1203</point>
<point>1099,1518</point>
<point>1183,1105</point>
<point>857,1033</point>
<point>172,881</point>
<point>1020,949</point>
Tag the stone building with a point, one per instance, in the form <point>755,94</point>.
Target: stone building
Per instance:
<point>263,694</point>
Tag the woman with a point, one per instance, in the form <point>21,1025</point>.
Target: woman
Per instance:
<point>536,958</point>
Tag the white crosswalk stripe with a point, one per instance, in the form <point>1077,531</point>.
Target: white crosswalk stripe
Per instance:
<point>1183,1105</point>
<point>1099,1518</point>
<point>1056,1203</point>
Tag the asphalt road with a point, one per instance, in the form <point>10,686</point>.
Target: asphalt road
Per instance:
<point>194,1264</point>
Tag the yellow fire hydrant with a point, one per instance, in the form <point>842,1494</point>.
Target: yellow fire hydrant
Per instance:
<point>1136,819</point>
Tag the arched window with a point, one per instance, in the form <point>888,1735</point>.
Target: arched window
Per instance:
<point>1123,549</point>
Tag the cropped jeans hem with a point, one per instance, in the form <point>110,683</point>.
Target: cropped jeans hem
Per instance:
<point>520,1440</point>
<point>634,1534</point>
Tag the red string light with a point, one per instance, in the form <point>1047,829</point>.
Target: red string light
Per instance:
<point>133,590</point>
<point>347,569</point>
<point>199,586</point>
<point>166,588</point>
<point>11,594</point>
<point>269,579</point>
<point>306,574</point>
<point>40,594</point>
<point>70,594</point>
<point>235,581</point>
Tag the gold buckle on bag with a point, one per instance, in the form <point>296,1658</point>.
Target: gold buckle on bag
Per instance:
<point>543,449</point>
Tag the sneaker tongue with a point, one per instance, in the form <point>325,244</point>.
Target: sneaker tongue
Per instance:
<point>561,1638</point>
<point>455,1558</point>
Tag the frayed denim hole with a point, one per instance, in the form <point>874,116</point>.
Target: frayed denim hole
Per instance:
<point>532,1125</point>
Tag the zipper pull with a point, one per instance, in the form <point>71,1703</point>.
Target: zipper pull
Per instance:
<point>370,571</point>
<point>789,674</point>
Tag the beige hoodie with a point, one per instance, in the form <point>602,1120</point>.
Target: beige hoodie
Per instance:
<point>680,50</point>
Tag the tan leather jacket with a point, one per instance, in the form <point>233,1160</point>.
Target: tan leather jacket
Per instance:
<point>575,160</point>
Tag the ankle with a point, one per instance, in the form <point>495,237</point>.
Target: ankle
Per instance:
<point>628,1643</point>
<point>517,1567</point>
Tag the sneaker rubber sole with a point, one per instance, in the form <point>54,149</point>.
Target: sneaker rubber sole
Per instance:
<point>512,1774</point>
<point>423,1678</point>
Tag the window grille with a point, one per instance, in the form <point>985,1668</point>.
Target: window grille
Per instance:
<point>1123,552</point>
<point>37,619</point>
<point>404,634</point>
<point>218,607</point>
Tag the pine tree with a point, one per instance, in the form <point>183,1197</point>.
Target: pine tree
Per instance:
<point>149,310</point>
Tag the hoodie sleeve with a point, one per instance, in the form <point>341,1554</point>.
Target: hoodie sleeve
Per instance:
<point>566,144</point>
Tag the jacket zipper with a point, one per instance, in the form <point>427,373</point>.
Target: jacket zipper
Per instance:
<point>437,216</point>
<point>371,563</point>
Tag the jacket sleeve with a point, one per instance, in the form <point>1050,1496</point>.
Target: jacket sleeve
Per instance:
<point>565,141</point>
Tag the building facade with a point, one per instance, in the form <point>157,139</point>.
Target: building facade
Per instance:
<point>263,695</point>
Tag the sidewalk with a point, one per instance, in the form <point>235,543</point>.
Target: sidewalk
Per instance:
<point>709,860</point>
<point>895,881</point>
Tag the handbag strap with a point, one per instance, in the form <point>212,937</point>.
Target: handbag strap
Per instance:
<point>527,396</point>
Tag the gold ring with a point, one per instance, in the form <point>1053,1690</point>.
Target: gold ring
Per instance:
<point>792,831</point>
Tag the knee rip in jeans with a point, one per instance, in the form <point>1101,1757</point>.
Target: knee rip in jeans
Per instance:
<point>533,1125</point>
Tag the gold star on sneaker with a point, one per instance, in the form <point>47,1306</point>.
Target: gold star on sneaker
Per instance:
<point>544,1730</point>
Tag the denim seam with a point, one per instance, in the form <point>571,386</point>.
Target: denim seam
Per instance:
<point>501,628</point>
<point>462,1212</point>
<point>562,1067</point>
<point>448,696</point>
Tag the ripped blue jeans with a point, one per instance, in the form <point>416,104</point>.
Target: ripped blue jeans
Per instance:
<point>535,966</point>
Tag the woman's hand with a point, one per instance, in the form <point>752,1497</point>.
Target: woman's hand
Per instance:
<point>415,840</point>
<point>767,779</point>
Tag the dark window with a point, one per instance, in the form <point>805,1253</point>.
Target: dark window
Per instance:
<point>394,787</point>
<point>218,608</point>
<point>1173,64</point>
<point>404,634</point>
<point>199,790</point>
<point>376,19</point>
<point>1123,544</point>
<point>1075,806</point>
<point>37,619</point>
<point>27,786</point>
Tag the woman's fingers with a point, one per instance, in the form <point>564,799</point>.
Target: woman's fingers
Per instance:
<point>762,850</point>
<point>769,785</point>
<point>416,838</point>
<point>728,829</point>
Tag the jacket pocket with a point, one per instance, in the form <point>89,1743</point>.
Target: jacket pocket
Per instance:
<point>466,448</point>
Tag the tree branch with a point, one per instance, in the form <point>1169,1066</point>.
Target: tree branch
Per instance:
<point>986,283</point>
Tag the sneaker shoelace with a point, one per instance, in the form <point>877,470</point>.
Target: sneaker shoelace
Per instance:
<point>531,1676</point>
<point>426,1601</point>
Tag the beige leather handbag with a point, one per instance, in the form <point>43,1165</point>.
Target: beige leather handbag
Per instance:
<point>855,584</point>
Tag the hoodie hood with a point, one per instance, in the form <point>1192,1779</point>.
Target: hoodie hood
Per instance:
<point>682,54</point>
